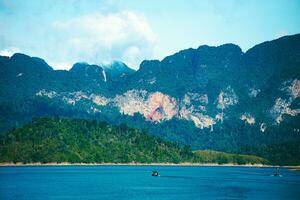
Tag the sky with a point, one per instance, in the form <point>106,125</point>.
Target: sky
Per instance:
<point>64,32</point>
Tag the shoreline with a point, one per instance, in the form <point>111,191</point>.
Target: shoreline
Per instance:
<point>293,168</point>
<point>8,164</point>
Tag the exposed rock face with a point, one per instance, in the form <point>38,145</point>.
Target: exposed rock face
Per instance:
<point>202,121</point>
<point>69,101</point>
<point>294,88</point>
<point>73,97</point>
<point>132,101</point>
<point>160,107</point>
<point>99,100</point>
<point>227,98</point>
<point>281,108</point>
<point>50,94</point>
<point>154,107</point>
<point>248,118</point>
<point>80,95</point>
<point>253,92</point>
<point>193,107</point>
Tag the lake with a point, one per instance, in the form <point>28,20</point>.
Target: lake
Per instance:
<point>136,182</point>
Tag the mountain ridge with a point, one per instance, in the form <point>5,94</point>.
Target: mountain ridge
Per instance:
<point>294,37</point>
<point>210,97</point>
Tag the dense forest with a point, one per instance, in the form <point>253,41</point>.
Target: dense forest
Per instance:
<point>285,153</point>
<point>77,140</point>
<point>73,140</point>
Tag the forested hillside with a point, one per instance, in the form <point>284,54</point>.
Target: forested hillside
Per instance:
<point>76,140</point>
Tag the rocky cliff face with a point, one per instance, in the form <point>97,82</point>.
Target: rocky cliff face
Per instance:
<point>210,97</point>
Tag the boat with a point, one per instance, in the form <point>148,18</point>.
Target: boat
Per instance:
<point>277,172</point>
<point>155,173</point>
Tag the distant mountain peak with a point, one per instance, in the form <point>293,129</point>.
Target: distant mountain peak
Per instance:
<point>19,56</point>
<point>24,62</point>
<point>24,57</point>
<point>83,66</point>
<point>118,66</point>
<point>117,69</point>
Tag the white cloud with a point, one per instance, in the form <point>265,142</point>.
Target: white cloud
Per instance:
<point>9,51</point>
<point>60,65</point>
<point>95,38</point>
<point>281,34</point>
<point>131,55</point>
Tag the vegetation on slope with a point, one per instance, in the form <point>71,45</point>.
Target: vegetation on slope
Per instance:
<point>285,153</point>
<point>76,140</point>
<point>208,156</point>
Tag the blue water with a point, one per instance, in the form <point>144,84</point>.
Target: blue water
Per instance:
<point>136,182</point>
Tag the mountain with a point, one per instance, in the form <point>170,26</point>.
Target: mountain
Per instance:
<point>191,70</point>
<point>22,76</point>
<point>218,98</point>
<point>117,71</point>
<point>73,140</point>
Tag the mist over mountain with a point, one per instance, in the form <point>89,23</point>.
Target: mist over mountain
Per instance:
<point>209,98</point>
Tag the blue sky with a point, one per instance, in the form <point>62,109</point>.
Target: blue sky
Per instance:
<point>98,31</point>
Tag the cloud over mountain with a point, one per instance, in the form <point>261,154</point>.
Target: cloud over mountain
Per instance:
<point>95,37</point>
<point>123,35</point>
